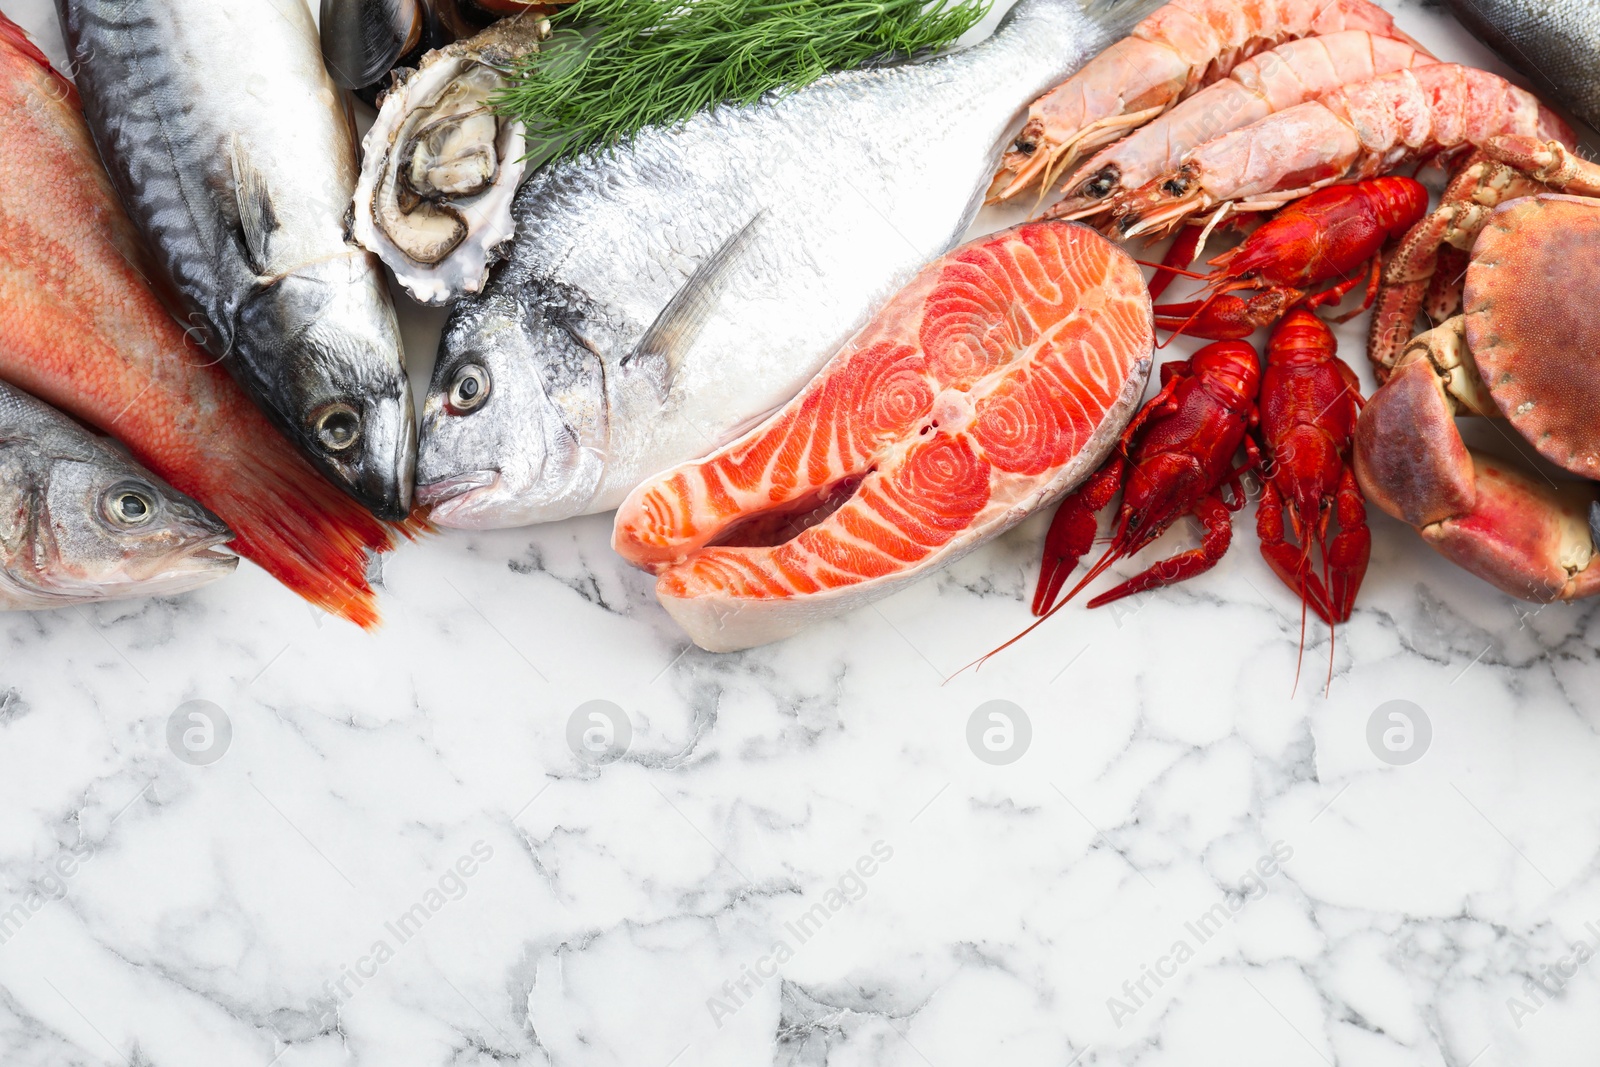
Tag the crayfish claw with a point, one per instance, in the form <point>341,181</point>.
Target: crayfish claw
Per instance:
<point>1218,525</point>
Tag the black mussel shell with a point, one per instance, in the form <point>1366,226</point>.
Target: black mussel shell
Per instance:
<point>362,39</point>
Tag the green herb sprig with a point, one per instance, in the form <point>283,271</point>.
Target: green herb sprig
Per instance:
<point>613,67</point>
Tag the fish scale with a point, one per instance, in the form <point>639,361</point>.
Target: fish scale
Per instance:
<point>855,182</point>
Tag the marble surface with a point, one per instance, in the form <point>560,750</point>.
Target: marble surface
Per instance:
<point>401,858</point>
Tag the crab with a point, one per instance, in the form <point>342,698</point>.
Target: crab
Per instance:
<point>1522,351</point>
<point>1424,272</point>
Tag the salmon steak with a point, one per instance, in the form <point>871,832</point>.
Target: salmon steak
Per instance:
<point>991,385</point>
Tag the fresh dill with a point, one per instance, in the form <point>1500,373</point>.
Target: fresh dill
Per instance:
<point>612,67</point>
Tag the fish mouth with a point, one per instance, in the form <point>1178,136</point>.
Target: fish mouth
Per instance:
<point>215,553</point>
<point>450,496</point>
<point>436,493</point>
<point>202,563</point>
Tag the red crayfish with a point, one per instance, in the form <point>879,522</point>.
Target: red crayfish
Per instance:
<point>1173,460</point>
<point>1295,420</point>
<point>1334,234</point>
<point>1310,399</point>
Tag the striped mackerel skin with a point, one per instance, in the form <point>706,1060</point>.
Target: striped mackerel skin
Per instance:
<point>235,156</point>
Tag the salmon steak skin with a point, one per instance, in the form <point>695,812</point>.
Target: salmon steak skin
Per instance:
<point>990,386</point>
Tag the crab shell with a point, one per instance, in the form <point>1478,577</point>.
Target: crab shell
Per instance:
<point>1532,305</point>
<point>440,168</point>
<point>1525,349</point>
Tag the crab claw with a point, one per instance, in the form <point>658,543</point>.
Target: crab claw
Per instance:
<point>1550,162</point>
<point>1528,538</point>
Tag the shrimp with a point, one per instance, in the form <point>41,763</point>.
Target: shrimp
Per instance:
<point>1290,74</point>
<point>1353,133</point>
<point>1179,48</point>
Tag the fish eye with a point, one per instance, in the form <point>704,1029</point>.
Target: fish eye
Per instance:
<point>469,388</point>
<point>338,427</point>
<point>129,506</point>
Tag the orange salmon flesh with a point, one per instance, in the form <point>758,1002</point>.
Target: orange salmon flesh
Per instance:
<point>991,385</point>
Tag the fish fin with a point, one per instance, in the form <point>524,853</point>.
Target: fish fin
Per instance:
<point>253,201</point>
<point>301,529</point>
<point>666,344</point>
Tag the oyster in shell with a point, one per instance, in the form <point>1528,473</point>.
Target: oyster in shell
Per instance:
<point>440,167</point>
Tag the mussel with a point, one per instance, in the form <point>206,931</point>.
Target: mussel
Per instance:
<point>363,40</point>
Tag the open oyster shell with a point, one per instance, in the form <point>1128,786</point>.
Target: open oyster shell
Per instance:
<point>440,168</point>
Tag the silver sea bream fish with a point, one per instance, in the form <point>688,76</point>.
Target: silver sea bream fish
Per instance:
<point>82,521</point>
<point>662,296</point>
<point>1556,43</point>
<point>235,155</point>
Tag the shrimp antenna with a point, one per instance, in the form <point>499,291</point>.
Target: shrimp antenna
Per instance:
<point>1111,555</point>
<point>978,663</point>
<point>1305,598</point>
<point>1211,224</point>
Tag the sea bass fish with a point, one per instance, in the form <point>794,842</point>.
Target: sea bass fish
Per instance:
<point>235,155</point>
<point>81,330</point>
<point>664,295</point>
<point>995,382</point>
<point>82,521</point>
<point>1556,43</point>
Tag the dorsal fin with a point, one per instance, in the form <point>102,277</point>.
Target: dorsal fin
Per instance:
<point>253,200</point>
<point>675,330</point>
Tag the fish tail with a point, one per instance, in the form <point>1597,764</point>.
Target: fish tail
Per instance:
<point>307,533</point>
<point>17,37</point>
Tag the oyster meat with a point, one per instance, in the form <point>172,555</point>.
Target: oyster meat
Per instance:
<point>440,166</point>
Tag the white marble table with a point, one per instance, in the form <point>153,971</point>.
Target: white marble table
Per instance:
<point>400,860</point>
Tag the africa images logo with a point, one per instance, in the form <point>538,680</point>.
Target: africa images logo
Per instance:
<point>451,886</point>
<point>199,733</point>
<point>1251,886</point>
<point>848,888</point>
<point>999,732</point>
